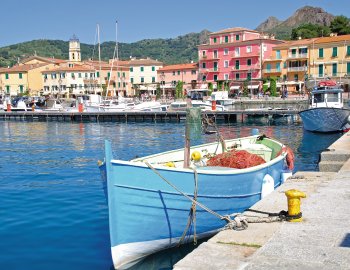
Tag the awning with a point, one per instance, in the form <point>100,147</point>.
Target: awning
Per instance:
<point>234,87</point>
<point>253,86</point>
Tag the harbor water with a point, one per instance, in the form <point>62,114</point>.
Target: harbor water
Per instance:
<point>52,206</point>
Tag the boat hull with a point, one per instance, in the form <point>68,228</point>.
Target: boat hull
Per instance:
<point>147,215</point>
<point>325,119</point>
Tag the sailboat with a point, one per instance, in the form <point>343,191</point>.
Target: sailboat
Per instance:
<point>158,201</point>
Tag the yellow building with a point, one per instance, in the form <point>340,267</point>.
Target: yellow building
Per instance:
<point>330,58</point>
<point>289,64</point>
<point>25,77</point>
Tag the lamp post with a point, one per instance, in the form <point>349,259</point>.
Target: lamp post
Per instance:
<point>251,86</point>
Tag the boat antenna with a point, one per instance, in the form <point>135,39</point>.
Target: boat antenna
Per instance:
<point>114,53</point>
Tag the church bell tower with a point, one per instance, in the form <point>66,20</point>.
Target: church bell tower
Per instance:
<point>74,49</point>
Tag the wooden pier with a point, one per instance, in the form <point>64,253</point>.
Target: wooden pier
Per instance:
<point>62,116</point>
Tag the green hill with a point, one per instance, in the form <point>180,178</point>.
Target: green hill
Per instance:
<point>182,49</point>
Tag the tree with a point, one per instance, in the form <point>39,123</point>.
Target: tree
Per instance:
<point>158,91</point>
<point>273,87</point>
<point>340,25</point>
<point>245,88</point>
<point>309,30</point>
<point>210,87</point>
<point>179,90</point>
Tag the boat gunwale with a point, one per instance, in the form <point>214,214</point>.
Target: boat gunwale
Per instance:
<point>139,162</point>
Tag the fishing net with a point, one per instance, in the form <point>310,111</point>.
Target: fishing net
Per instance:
<point>238,159</point>
<point>194,122</point>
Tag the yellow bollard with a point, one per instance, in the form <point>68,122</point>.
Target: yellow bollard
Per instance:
<point>293,198</point>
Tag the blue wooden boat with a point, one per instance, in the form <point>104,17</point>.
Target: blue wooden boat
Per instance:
<point>147,214</point>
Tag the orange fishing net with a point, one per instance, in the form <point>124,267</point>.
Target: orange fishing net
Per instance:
<point>236,159</point>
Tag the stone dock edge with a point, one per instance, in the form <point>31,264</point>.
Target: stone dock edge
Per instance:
<point>320,241</point>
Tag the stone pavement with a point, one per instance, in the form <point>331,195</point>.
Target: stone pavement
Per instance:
<point>320,241</point>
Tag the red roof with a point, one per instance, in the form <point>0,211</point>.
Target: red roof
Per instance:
<point>179,67</point>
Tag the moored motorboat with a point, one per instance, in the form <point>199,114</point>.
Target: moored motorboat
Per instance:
<point>148,207</point>
<point>326,112</point>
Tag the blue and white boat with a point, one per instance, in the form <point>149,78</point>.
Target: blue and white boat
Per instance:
<point>147,214</point>
<point>326,112</point>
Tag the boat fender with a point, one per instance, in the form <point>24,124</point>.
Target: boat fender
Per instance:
<point>170,164</point>
<point>290,158</point>
<point>196,156</point>
<point>268,185</point>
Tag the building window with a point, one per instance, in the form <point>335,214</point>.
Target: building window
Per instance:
<point>131,69</point>
<point>249,49</point>
<point>7,89</point>
<point>278,66</point>
<point>132,80</point>
<point>215,77</point>
<point>7,76</point>
<point>204,65</point>
<point>118,84</point>
<point>118,74</point>
<point>215,66</point>
<point>296,77</point>
<point>226,39</point>
<point>294,52</point>
<point>236,51</point>
<point>63,75</point>
<point>285,64</point>
<point>174,73</point>
<point>204,78</point>
<point>249,62</point>
<point>237,37</point>
<point>108,75</point>
<point>278,54</point>
<point>20,76</point>
<point>348,68</point>
<point>268,67</point>
<point>226,77</point>
<point>334,69</point>
<point>45,76</point>
<point>153,68</point>
<point>142,79</point>
<point>178,72</point>
<point>284,77</point>
<point>98,74</point>
<point>86,75</point>
<point>153,79</point>
<point>21,88</point>
<point>237,76</point>
<point>142,69</point>
<point>123,74</point>
<point>215,54</point>
<point>225,51</point>
<point>226,63</point>
<point>124,84</point>
<point>348,51</point>
<point>320,70</point>
<point>335,52</point>
<point>72,75</point>
<point>214,39</point>
<point>193,72</point>
<point>249,76</point>
<point>320,53</point>
<point>237,64</point>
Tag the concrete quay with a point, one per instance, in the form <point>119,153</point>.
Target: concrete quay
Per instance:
<point>320,241</point>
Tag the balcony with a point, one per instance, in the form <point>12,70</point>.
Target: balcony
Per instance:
<point>245,55</point>
<point>245,67</point>
<point>203,57</point>
<point>272,70</point>
<point>297,56</point>
<point>297,69</point>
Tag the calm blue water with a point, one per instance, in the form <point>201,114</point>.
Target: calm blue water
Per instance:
<point>53,213</point>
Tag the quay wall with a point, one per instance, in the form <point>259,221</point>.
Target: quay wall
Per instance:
<point>320,241</point>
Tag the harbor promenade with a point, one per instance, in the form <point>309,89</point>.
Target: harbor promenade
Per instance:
<point>320,241</point>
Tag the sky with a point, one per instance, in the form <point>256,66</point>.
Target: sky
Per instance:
<point>26,20</point>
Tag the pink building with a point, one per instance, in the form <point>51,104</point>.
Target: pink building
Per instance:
<point>170,75</point>
<point>235,55</point>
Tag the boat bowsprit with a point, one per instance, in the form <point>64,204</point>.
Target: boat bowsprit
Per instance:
<point>148,197</point>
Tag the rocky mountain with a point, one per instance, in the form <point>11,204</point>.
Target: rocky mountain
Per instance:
<point>269,24</point>
<point>307,14</point>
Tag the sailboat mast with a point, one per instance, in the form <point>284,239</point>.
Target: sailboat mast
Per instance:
<point>99,55</point>
<point>117,55</point>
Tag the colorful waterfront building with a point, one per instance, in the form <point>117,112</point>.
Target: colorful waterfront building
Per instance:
<point>169,76</point>
<point>330,58</point>
<point>289,64</point>
<point>235,55</point>
<point>293,62</point>
<point>25,77</point>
